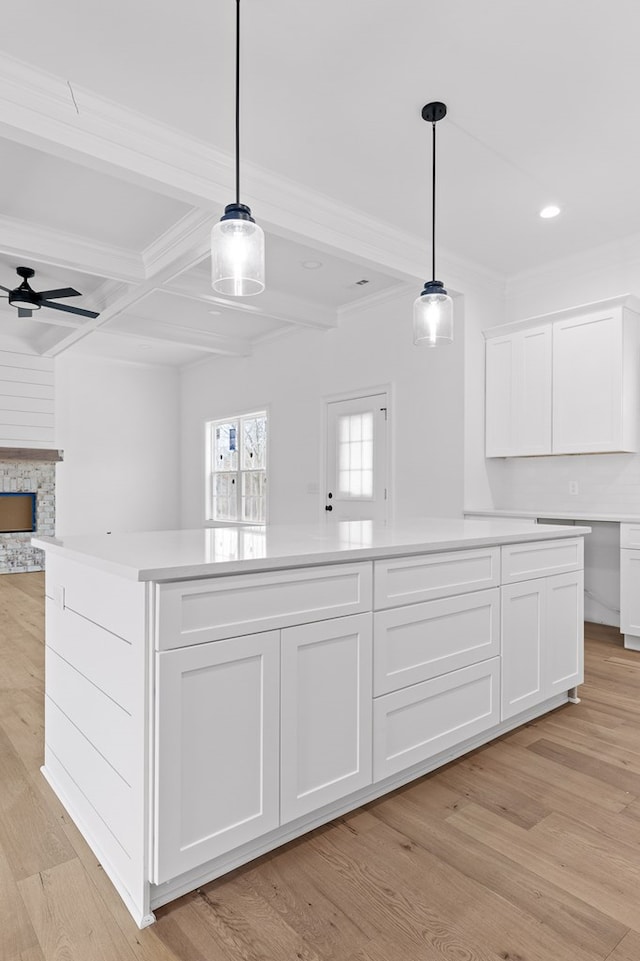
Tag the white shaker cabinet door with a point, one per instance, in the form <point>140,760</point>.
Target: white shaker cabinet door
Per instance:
<point>326,740</point>
<point>217,738</point>
<point>630,592</point>
<point>564,641</point>
<point>523,630</point>
<point>588,384</point>
<point>518,393</point>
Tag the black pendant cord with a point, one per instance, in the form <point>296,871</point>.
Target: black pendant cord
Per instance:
<point>237,101</point>
<point>433,206</point>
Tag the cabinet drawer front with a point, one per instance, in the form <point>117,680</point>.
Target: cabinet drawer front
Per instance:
<point>630,535</point>
<point>407,580</point>
<point>215,608</point>
<point>422,641</point>
<point>419,722</point>
<point>522,562</point>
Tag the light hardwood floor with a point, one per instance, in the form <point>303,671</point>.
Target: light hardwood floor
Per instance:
<point>526,850</point>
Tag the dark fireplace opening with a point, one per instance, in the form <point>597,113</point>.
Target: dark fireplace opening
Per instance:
<point>17,512</point>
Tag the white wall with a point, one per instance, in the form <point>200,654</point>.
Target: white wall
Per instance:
<point>118,426</point>
<point>26,400</point>
<point>292,375</point>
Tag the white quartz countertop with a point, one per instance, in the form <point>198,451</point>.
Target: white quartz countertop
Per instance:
<point>176,555</point>
<point>559,515</point>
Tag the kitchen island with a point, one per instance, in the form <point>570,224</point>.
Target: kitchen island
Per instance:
<point>212,694</point>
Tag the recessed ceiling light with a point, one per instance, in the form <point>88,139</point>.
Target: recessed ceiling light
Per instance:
<point>550,211</point>
<point>311,264</point>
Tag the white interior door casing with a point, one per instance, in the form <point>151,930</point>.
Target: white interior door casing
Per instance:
<point>357,447</point>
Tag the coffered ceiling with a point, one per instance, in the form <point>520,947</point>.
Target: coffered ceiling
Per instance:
<point>116,138</point>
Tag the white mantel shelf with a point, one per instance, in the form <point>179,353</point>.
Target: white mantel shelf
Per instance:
<point>170,555</point>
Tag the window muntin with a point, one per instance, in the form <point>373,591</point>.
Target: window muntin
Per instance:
<point>237,469</point>
<point>355,455</point>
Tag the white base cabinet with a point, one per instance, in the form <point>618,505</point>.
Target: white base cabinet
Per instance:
<point>542,640</point>
<point>182,753</point>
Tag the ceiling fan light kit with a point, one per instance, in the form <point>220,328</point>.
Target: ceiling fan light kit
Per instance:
<point>26,299</point>
<point>433,309</point>
<point>237,241</point>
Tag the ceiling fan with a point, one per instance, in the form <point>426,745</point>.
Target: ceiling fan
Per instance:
<point>27,300</point>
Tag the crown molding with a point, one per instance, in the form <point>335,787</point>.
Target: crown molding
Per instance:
<point>624,252</point>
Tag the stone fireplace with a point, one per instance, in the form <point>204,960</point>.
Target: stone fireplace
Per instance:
<point>27,471</point>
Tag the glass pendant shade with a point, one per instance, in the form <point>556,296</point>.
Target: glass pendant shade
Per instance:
<point>433,316</point>
<point>237,253</point>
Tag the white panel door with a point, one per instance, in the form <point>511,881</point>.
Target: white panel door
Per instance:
<point>523,622</point>
<point>217,742</point>
<point>564,636</point>
<point>326,684</point>
<point>587,384</point>
<point>357,487</point>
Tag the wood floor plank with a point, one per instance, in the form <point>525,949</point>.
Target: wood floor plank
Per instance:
<point>564,864</point>
<point>525,850</point>
<point>16,931</point>
<point>628,949</point>
<point>591,763</point>
<point>388,865</point>
<point>574,920</point>
<point>69,917</point>
<point>29,836</point>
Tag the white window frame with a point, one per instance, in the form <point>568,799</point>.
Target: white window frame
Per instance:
<point>210,472</point>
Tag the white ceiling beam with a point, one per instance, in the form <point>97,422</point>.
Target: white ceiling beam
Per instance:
<point>165,333</point>
<point>37,109</point>
<point>283,308</point>
<point>25,241</point>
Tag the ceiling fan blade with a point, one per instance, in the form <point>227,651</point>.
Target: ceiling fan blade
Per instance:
<point>69,310</point>
<point>24,313</point>
<point>62,292</point>
<point>8,289</point>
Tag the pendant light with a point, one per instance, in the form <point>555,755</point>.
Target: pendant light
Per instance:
<point>237,241</point>
<point>433,309</point>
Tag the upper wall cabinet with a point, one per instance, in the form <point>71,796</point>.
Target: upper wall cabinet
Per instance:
<point>565,383</point>
<point>518,393</point>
